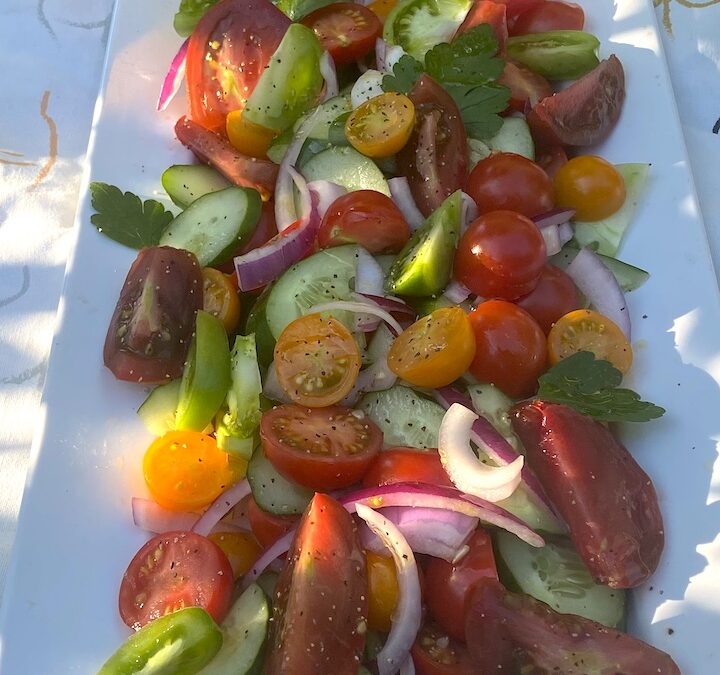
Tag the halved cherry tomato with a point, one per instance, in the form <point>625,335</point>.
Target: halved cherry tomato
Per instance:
<point>517,7</point>
<point>267,527</point>
<point>550,15</point>
<point>492,13</point>
<point>382,8</point>
<point>317,360</point>
<point>511,350</point>
<point>526,88</point>
<point>406,465</point>
<point>590,185</point>
<point>589,331</point>
<point>347,30</point>
<point>383,591</point>
<point>505,181</point>
<point>449,585</point>
<point>220,297</point>
<point>435,350</point>
<point>172,571</point>
<point>320,448</point>
<point>381,126</point>
<point>186,471</point>
<point>553,297</point>
<point>241,548</point>
<point>251,139</point>
<point>364,217</point>
<point>551,159</point>
<point>435,653</point>
<point>501,254</point>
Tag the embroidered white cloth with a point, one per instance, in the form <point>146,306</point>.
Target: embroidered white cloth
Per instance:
<point>51,55</point>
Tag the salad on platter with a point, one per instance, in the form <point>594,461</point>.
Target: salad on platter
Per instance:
<point>386,329</point>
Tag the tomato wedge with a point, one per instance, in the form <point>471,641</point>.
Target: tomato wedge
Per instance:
<point>435,653</point>
<point>526,88</point>
<point>492,13</point>
<point>406,465</point>
<point>267,527</point>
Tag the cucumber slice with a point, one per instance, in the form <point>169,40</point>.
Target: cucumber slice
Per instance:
<point>606,235</point>
<point>424,265</point>
<point>404,417</point>
<point>524,505</point>
<point>158,410</point>
<point>556,575</point>
<point>185,183</point>
<point>419,25</point>
<point>347,167</point>
<point>492,404</point>
<point>215,225</point>
<point>245,630</point>
<point>326,114</point>
<point>514,136</point>
<point>297,9</point>
<point>257,323</point>
<point>272,491</point>
<point>267,581</point>
<point>477,151</point>
<point>322,277</point>
<point>628,276</point>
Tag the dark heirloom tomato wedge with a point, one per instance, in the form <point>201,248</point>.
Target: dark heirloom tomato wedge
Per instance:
<point>552,159</point>
<point>435,159</point>
<point>607,500</point>
<point>172,571</point>
<point>267,527</point>
<point>514,633</point>
<point>492,13</point>
<point>550,15</point>
<point>229,49</point>
<point>526,88</point>
<point>435,653</point>
<point>320,604</point>
<point>320,448</point>
<point>406,465</point>
<point>584,113</point>
<point>150,329</point>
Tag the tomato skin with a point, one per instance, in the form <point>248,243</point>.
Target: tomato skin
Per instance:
<point>505,181</point>
<point>501,254</point>
<point>435,653</point>
<point>550,15</point>
<point>347,30</point>
<point>513,633</point>
<point>609,504</point>
<point>175,570</point>
<point>246,137</point>
<point>161,293</point>
<point>220,298</point>
<point>406,465</point>
<point>381,126</point>
<point>551,159</point>
<point>267,527</point>
<point>449,585</point>
<point>517,7</point>
<point>526,87</point>
<point>382,8</point>
<point>492,13</point>
<point>320,603</point>
<point>320,448</point>
<point>383,591</point>
<point>231,32</point>
<point>367,218</point>
<point>553,297</point>
<point>435,159</point>
<point>241,549</point>
<point>511,350</point>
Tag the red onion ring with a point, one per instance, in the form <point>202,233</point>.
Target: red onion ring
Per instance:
<point>402,196</point>
<point>221,506</point>
<point>174,78</point>
<point>329,73</point>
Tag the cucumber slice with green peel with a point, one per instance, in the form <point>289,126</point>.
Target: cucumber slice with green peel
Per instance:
<point>244,630</point>
<point>215,225</point>
<point>326,115</point>
<point>524,505</point>
<point>605,236</point>
<point>424,266</point>
<point>267,581</point>
<point>628,276</point>
<point>477,151</point>
<point>185,183</point>
<point>297,9</point>
<point>272,491</point>
<point>257,323</point>
<point>556,575</point>
<point>404,417</point>
<point>514,136</point>
<point>347,167</point>
<point>494,405</point>
<point>158,410</point>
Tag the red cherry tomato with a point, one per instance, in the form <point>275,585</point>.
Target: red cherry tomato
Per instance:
<point>364,217</point>
<point>492,13</point>
<point>435,653</point>
<point>345,29</point>
<point>267,527</point>
<point>550,15</point>
<point>172,571</point>
<point>406,465</point>
<point>511,347</point>
<point>552,159</point>
<point>553,297</point>
<point>449,585</point>
<point>505,181</point>
<point>501,254</point>
<point>526,88</point>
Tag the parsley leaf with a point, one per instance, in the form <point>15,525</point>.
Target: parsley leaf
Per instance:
<point>591,386</point>
<point>479,108</point>
<point>405,74</point>
<point>125,218</point>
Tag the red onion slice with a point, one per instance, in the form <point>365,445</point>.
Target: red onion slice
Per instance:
<point>272,388</point>
<point>221,506</point>
<point>468,211</point>
<point>391,304</point>
<point>566,233</point>
<point>324,193</point>
<point>381,48</point>
<point>600,286</point>
<point>280,547</point>
<point>369,277</point>
<point>361,308</point>
<point>551,235</point>
<point>456,292</point>
<point>553,218</point>
<point>151,517</point>
<point>407,617</point>
<point>329,73</point>
<point>402,196</point>
<point>174,78</point>
<point>407,668</point>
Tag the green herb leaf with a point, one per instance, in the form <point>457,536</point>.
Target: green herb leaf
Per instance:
<point>405,74</point>
<point>479,107</point>
<point>125,218</point>
<point>189,13</point>
<point>591,386</point>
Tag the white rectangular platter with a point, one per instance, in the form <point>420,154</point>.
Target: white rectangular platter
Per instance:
<point>75,534</point>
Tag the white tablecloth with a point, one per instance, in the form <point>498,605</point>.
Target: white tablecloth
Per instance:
<point>51,54</point>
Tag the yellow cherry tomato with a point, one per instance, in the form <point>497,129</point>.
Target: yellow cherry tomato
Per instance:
<point>587,331</point>
<point>186,471</point>
<point>381,126</point>
<point>435,350</point>
<point>591,186</point>
<point>246,137</point>
<point>220,297</point>
<point>383,591</point>
<point>382,8</point>
<point>241,548</point>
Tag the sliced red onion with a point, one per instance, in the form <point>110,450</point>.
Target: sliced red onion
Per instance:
<point>407,668</point>
<point>285,203</point>
<point>469,211</point>
<point>280,547</point>
<point>369,277</point>
<point>376,377</point>
<point>221,506</point>
<point>381,48</point>
<point>323,194</point>
<point>390,304</point>
<point>400,191</point>
<point>361,308</point>
<point>599,285</point>
<point>566,233</point>
<point>151,517</point>
<point>551,235</point>
<point>272,388</point>
<point>408,612</point>
<point>553,218</point>
<point>329,73</point>
<point>362,66</point>
<point>174,78</point>
<point>456,292</point>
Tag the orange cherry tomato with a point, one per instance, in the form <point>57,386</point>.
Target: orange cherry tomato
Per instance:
<point>220,297</point>
<point>591,186</point>
<point>247,137</point>
<point>381,126</point>
<point>382,8</point>
<point>589,331</point>
<point>383,591</point>
<point>241,548</point>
